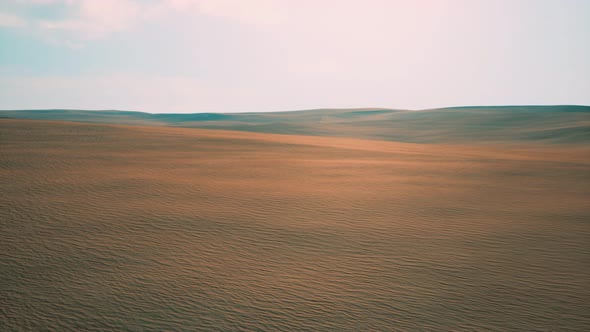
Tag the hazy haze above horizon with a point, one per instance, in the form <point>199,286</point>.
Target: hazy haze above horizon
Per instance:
<point>262,55</point>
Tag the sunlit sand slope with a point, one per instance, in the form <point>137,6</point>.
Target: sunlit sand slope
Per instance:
<point>158,228</point>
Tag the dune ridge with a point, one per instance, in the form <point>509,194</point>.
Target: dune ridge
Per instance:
<point>560,124</point>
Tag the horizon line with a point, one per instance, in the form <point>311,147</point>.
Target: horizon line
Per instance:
<point>299,110</point>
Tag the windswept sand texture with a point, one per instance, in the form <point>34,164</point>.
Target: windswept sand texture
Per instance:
<point>107,227</point>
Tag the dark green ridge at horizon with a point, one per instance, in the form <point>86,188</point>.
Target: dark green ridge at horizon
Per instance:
<point>556,124</point>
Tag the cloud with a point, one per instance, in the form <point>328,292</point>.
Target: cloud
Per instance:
<point>96,19</point>
<point>71,22</point>
<point>84,20</point>
<point>12,21</point>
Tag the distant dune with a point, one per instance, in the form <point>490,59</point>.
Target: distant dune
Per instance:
<point>498,124</point>
<point>125,228</point>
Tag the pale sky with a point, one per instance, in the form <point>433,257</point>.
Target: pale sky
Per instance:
<point>188,56</point>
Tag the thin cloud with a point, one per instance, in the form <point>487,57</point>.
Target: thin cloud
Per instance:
<point>96,19</point>
<point>91,19</point>
<point>12,21</point>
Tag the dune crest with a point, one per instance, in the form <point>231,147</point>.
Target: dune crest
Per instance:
<point>561,124</point>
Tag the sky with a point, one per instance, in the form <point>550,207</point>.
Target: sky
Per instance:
<point>183,56</point>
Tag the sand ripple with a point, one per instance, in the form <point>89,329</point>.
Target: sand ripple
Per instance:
<point>115,228</point>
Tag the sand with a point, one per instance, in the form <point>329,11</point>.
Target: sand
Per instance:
<point>155,228</point>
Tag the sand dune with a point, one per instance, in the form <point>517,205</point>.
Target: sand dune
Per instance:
<point>459,125</point>
<point>141,227</point>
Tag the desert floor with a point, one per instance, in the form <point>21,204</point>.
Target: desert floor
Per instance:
<point>156,228</point>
